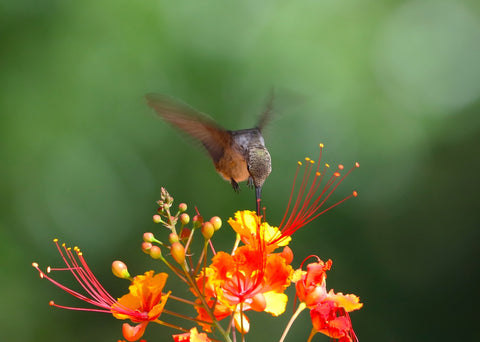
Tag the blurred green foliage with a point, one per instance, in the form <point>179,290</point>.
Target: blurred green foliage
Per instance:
<point>392,84</point>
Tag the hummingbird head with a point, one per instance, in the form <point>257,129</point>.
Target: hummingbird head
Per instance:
<point>259,165</point>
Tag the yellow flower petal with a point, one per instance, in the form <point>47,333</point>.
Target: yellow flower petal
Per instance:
<point>276,302</point>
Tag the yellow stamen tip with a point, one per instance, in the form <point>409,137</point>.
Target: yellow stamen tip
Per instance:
<point>321,145</point>
<point>312,161</point>
<point>327,165</point>
<point>34,264</point>
<point>299,163</point>
<point>357,164</point>
<point>307,159</point>
<point>55,240</point>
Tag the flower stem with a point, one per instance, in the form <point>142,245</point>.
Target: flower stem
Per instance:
<point>300,308</point>
<point>312,333</point>
<point>217,324</point>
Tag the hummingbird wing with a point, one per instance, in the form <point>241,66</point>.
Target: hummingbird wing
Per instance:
<point>196,124</point>
<point>267,113</point>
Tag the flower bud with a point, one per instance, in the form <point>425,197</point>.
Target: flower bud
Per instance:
<point>146,246</point>
<point>133,333</point>
<point>119,269</point>
<point>157,218</point>
<point>185,234</point>
<point>178,252</point>
<point>182,207</point>
<point>155,252</point>
<point>173,238</point>
<point>184,218</point>
<point>148,237</point>
<point>217,222</point>
<point>197,221</point>
<point>207,230</point>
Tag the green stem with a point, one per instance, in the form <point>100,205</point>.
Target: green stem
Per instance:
<point>300,308</point>
<point>193,283</point>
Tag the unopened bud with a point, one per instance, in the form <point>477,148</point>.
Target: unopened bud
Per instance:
<point>185,234</point>
<point>178,252</point>
<point>184,218</point>
<point>207,230</point>
<point>133,333</point>
<point>119,269</point>
<point>148,237</point>
<point>172,238</point>
<point>217,222</point>
<point>197,221</point>
<point>157,218</point>
<point>155,252</point>
<point>146,246</point>
<point>182,207</point>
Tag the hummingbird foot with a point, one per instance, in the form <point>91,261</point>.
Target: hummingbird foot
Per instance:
<point>235,186</point>
<point>250,183</point>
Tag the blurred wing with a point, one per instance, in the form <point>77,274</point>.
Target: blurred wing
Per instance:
<point>267,113</point>
<point>197,125</point>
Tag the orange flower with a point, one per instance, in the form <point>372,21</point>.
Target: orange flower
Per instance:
<point>192,336</point>
<point>143,304</point>
<point>250,279</point>
<point>253,232</point>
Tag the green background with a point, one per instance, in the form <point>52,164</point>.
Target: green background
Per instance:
<point>394,85</point>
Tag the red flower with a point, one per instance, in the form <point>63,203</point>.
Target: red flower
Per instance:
<point>311,288</point>
<point>333,321</point>
<point>329,311</point>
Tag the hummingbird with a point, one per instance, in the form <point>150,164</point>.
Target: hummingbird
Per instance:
<point>238,156</point>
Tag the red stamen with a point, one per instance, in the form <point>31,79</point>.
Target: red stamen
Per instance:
<point>97,295</point>
<point>307,206</point>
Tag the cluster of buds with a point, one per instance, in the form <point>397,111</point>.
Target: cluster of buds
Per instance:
<point>252,276</point>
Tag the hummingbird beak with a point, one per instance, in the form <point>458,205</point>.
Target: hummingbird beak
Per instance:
<point>258,197</point>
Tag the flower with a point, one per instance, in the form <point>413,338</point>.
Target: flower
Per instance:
<point>249,279</point>
<point>311,287</point>
<point>252,231</point>
<point>333,320</point>
<point>329,311</point>
<point>143,304</point>
<point>310,200</point>
<point>192,336</point>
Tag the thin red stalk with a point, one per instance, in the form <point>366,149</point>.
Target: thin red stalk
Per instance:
<point>291,194</point>
<point>300,196</point>
<point>80,275</point>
